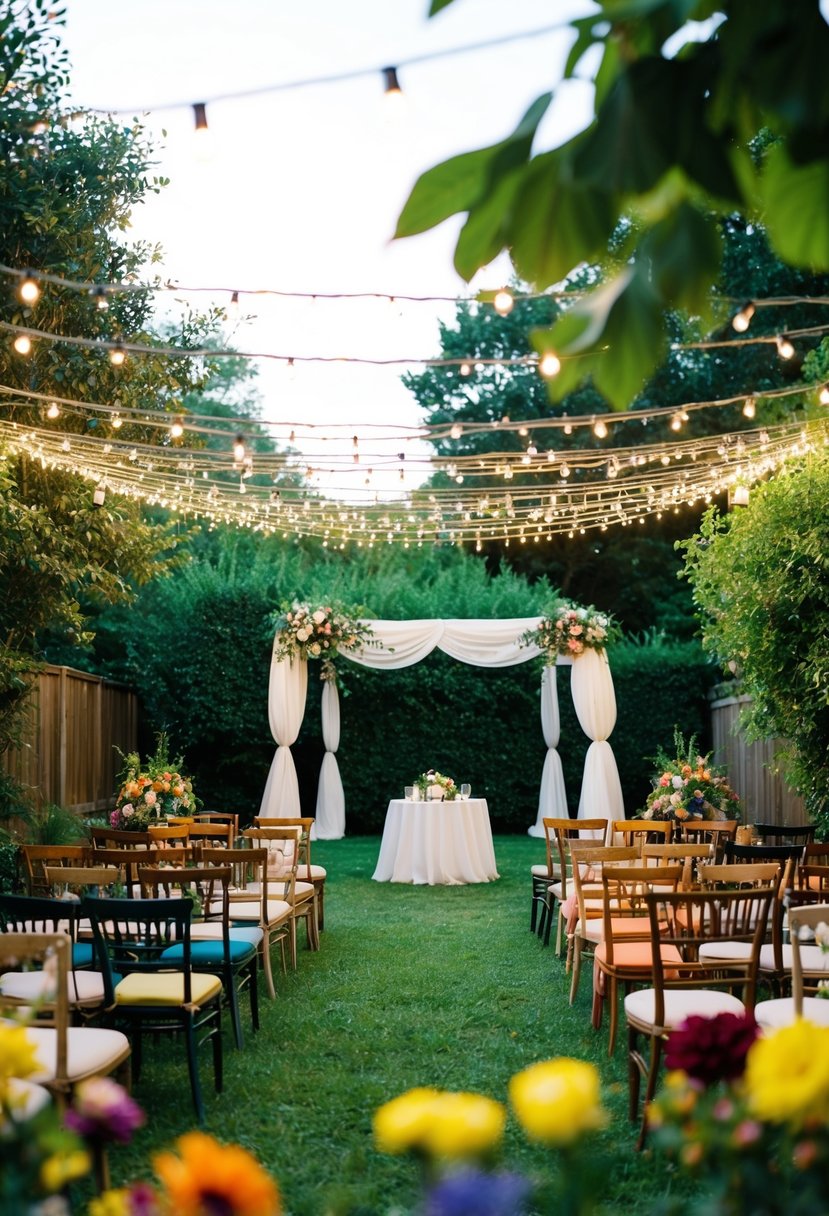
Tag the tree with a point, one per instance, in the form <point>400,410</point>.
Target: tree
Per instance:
<point>761,580</point>
<point>672,146</point>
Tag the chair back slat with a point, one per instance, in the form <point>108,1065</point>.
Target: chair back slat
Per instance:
<point>782,833</point>
<point>43,950</point>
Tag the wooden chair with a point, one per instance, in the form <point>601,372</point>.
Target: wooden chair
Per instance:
<point>564,832</point>
<point>688,920</point>
<point>41,914</point>
<point>253,908</point>
<point>283,846</point>
<point>65,1054</point>
<point>108,838</point>
<point>816,853</point>
<point>80,880</point>
<point>225,817</point>
<point>306,872</point>
<point>211,835</point>
<point>170,836</point>
<point>37,856</point>
<point>690,856</point>
<point>233,958</point>
<point>782,833</point>
<point>640,832</point>
<point>714,832</point>
<point>624,953</point>
<point>589,860</point>
<point>542,875</point>
<point>810,967</point>
<point>143,993</point>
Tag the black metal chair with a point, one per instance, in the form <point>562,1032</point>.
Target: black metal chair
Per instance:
<point>784,833</point>
<point>142,993</point>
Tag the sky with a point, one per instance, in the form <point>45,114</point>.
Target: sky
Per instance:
<point>303,186</point>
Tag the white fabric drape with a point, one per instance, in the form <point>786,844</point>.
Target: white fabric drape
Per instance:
<point>552,797</point>
<point>330,813</point>
<point>286,706</point>
<point>595,702</point>
<point>479,643</point>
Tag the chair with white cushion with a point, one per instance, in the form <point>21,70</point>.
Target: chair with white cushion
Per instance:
<point>809,945</point>
<point>283,845</point>
<point>306,871</point>
<point>65,1054</point>
<point>687,920</point>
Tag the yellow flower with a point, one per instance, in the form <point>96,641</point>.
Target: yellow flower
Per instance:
<point>556,1101</point>
<point>62,1168</point>
<point>400,1125</point>
<point>18,1055</point>
<point>208,1177</point>
<point>463,1125</point>
<point>787,1074</point>
<point>110,1203</point>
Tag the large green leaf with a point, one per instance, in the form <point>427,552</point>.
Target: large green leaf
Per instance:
<point>453,185</point>
<point>437,5</point>
<point>483,235</point>
<point>796,213</point>
<point>556,222</point>
<point>459,183</point>
<point>684,251</point>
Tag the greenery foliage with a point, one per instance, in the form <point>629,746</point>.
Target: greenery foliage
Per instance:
<point>676,112</point>
<point>761,579</point>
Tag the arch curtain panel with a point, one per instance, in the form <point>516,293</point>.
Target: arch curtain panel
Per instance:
<point>480,643</point>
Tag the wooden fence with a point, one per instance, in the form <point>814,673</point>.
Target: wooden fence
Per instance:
<point>72,724</point>
<point>751,768</point>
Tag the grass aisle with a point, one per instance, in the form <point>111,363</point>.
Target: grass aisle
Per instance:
<point>440,986</point>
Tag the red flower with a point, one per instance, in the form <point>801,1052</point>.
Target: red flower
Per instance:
<point>712,1049</point>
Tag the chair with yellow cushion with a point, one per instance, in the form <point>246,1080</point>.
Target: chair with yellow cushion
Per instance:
<point>144,993</point>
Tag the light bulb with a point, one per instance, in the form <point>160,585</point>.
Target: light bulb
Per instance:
<point>564,471</point>
<point>676,422</point>
<point>456,431</point>
<point>600,428</point>
<point>549,365</point>
<point>177,429</point>
<point>53,410</point>
<point>391,83</point>
<point>233,306</point>
<point>23,344</point>
<point>239,449</point>
<point>823,395</point>
<point>749,407</point>
<point>465,369</point>
<point>29,289</point>
<point>784,347</point>
<point>204,141</point>
<point>117,355</point>
<point>99,295</point>
<point>741,320</point>
<point>117,422</point>
<point>503,302</point>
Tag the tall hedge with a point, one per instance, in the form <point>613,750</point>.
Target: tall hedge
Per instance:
<point>200,653</point>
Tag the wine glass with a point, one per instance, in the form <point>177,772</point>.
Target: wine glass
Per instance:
<point>466,790</point>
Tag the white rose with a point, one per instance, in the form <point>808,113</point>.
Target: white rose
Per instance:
<point>314,648</point>
<point>319,616</point>
<point>676,799</point>
<point>677,783</point>
<point>302,635</point>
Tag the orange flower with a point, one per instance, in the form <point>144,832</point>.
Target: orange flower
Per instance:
<point>178,790</point>
<point>681,813</point>
<point>158,786</point>
<point>686,770</point>
<point>208,1177</point>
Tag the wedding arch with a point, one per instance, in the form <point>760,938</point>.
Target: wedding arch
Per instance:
<point>480,643</point>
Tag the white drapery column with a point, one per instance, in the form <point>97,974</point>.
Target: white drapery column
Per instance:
<point>286,707</point>
<point>552,797</point>
<point>594,699</point>
<point>330,813</point>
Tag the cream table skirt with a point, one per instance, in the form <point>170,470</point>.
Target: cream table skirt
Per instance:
<point>437,843</point>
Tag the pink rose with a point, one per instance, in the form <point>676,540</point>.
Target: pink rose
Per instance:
<point>576,630</point>
<point>150,798</point>
<point>664,781</point>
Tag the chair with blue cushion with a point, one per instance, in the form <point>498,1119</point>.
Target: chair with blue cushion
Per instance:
<point>144,993</point>
<point>233,958</point>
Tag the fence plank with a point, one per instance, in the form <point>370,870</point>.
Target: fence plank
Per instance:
<point>72,724</point>
<point>751,768</point>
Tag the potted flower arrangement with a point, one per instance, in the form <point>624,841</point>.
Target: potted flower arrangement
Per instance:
<point>687,786</point>
<point>151,791</point>
<point>319,633</point>
<point>437,786</point>
<point>569,629</point>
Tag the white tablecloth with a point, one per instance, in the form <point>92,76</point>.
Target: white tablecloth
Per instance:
<point>439,843</point>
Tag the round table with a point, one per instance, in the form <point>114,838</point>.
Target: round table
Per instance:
<point>436,843</point>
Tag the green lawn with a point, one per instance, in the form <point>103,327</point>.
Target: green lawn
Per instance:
<point>443,986</point>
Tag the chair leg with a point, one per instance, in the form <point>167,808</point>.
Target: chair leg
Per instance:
<point>233,1003</point>
<point>613,1001</point>
<point>253,985</point>
<point>193,1069</point>
<point>559,934</point>
<point>634,1074</point>
<point>321,906</point>
<point>533,911</point>
<point>266,965</point>
<point>218,1050</point>
<point>574,981</point>
<point>650,1088</point>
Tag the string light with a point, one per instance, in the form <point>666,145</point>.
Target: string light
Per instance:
<point>101,298</point>
<point>741,320</point>
<point>391,84</point>
<point>503,302</point>
<point>29,289</point>
<point>53,411</point>
<point>785,349</point>
<point>23,344</point>
<point>600,428</point>
<point>177,429</point>
<point>549,365</point>
<point>823,395</point>
<point>117,355</point>
<point>749,408</point>
<point>200,116</point>
<point>676,422</point>
<point>239,449</point>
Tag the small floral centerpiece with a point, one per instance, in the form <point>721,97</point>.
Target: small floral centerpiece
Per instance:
<point>151,791</point>
<point>319,633</point>
<point>687,786</point>
<point>569,629</point>
<point>436,785</point>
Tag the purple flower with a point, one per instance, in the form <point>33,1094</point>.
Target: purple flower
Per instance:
<point>474,1193</point>
<point>103,1110</point>
<point>712,1049</point>
<point>142,1200</point>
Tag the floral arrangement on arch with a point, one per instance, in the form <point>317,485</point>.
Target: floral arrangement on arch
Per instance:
<point>687,786</point>
<point>447,784</point>
<point>151,791</point>
<point>319,633</point>
<point>569,629</point>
